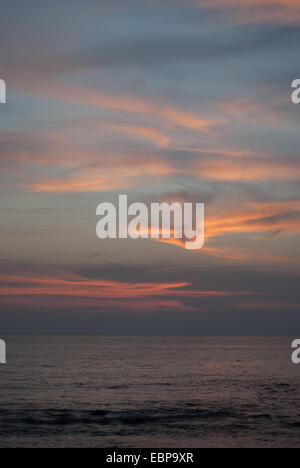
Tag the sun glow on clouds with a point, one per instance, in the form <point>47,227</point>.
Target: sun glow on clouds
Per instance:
<point>202,109</point>
<point>73,289</point>
<point>255,11</point>
<point>139,171</point>
<point>283,218</point>
<point>121,102</point>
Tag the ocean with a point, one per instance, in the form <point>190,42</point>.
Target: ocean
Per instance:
<point>149,392</point>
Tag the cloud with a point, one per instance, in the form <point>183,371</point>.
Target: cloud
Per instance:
<point>117,174</point>
<point>266,112</point>
<point>255,11</point>
<point>144,133</point>
<point>251,169</point>
<point>79,291</point>
<point>117,102</point>
<point>257,221</point>
<point>103,172</point>
<point>267,305</point>
<point>281,217</point>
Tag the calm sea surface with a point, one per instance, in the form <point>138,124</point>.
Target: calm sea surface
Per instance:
<point>149,392</point>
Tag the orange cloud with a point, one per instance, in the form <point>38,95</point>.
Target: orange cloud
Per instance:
<point>261,217</point>
<point>264,112</point>
<point>249,11</point>
<point>77,290</point>
<point>78,286</point>
<point>238,255</point>
<point>115,174</point>
<point>119,172</point>
<point>223,152</point>
<point>283,218</point>
<point>142,132</point>
<point>247,169</point>
<point>105,304</point>
<point>82,183</point>
<point>119,102</point>
<point>257,220</point>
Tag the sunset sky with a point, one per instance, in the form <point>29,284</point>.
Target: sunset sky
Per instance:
<point>163,100</point>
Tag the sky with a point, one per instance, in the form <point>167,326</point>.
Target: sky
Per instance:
<point>163,100</point>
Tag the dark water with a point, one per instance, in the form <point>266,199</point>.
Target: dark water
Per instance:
<point>149,392</point>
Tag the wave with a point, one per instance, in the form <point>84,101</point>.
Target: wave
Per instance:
<point>57,417</point>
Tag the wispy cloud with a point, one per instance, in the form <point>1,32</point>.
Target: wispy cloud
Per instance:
<point>104,99</point>
<point>170,100</point>
<point>249,11</point>
<point>76,291</point>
